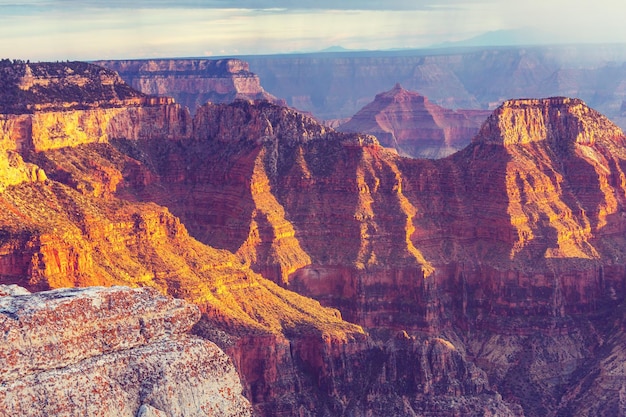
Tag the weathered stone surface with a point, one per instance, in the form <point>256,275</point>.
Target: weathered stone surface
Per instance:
<point>56,328</point>
<point>43,130</point>
<point>46,86</point>
<point>521,225</point>
<point>55,105</point>
<point>149,411</point>
<point>10,290</point>
<point>110,352</point>
<point>181,376</point>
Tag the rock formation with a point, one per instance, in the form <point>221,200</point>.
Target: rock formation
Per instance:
<point>83,225</point>
<point>110,351</point>
<point>48,106</point>
<point>489,282</point>
<point>516,234</point>
<point>192,82</point>
<point>415,127</point>
<point>337,85</point>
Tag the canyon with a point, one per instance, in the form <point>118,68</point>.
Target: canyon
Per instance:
<point>339,277</point>
<point>337,85</point>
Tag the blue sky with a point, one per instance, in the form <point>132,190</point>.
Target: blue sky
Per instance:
<point>72,29</point>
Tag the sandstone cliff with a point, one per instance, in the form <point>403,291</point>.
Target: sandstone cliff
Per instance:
<point>192,82</point>
<point>518,233</point>
<point>47,106</point>
<point>50,106</point>
<point>415,127</point>
<point>110,352</point>
<point>487,282</point>
<point>83,225</point>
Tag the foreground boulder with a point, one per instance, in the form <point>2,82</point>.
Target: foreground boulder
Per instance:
<point>110,352</point>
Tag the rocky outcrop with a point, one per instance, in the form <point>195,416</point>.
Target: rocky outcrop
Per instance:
<point>51,106</point>
<point>45,86</point>
<point>192,82</point>
<point>415,127</point>
<point>110,351</point>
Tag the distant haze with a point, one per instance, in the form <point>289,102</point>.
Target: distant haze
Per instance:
<point>86,30</point>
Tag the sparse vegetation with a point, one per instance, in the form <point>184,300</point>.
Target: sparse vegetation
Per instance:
<point>25,87</point>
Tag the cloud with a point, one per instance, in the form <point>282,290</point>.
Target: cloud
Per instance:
<point>241,4</point>
<point>90,29</point>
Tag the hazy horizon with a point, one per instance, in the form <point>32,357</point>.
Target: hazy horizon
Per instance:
<point>90,30</point>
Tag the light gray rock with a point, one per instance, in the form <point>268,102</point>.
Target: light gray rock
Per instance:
<point>111,352</point>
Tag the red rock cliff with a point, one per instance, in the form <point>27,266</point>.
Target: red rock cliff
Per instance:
<point>192,82</point>
<point>415,127</point>
<point>501,263</point>
<point>517,233</point>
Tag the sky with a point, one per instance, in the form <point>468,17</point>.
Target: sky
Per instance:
<point>44,30</point>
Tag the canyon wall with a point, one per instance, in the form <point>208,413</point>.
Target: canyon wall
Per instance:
<point>514,241</point>
<point>337,85</point>
<point>81,224</point>
<point>487,282</point>
<point>514,200</point>
<point>192,82</point>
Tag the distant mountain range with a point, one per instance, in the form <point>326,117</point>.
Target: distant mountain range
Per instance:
<point>507,38</point>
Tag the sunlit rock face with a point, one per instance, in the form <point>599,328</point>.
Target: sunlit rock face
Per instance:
<point>415,127</point>
<point>518,233</point>
<point>51,106</point>
<point>192,82</point>
<point>82,225</point>
<point>533,202</point>
<point>487,282</point>
<point>110,351</point>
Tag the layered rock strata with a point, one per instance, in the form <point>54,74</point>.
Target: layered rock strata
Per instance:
<point>518,233</point>
<point>415,127</point>
<point>192,82</point>
<point>82,225</point>
<point>49,106</point>
<point>487,282</point>
<point>337,85</point>
<point>110,351</point>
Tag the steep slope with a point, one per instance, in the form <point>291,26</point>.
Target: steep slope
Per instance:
<point>192,82</point>
<point>489,282</point>
<point>415,127</point>
<point>515,241</point>
<point>110,351</point>
<point>81,224</point>
<point>538,192</point>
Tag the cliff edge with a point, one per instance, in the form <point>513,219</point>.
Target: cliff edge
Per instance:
<point>110,352</point>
